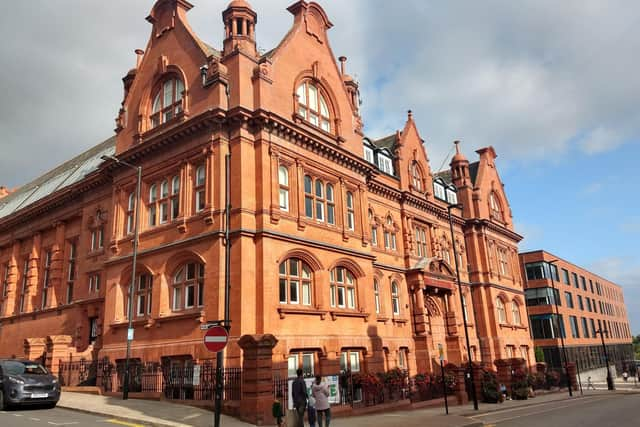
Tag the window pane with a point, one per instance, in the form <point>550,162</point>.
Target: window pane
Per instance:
<point>168,89</point>
<point>179,89</point>
<point>293,267</point>
<point>313,97</point>
<point>283,175</point>
<point>200,293</point>
<point>190,296</point>
<point>320,211</point>
<point>156,104</point>
<point>350,298</point>
<point>331,214</point>
<point>313,119</point>
<point>308,207</point>
<point>292,365</point>
<point>354,360</point>
<point>340,296</point>
<point>329,193</point>
<point>302,94</point>
<point>324,124</point>
<point>283,291</point>
<point>294,291</point>
<point>306,293</point>
<point>177,305</point>
<point>307,184</point>
<point>306,273</point>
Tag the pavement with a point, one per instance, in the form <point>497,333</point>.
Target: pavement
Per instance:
<point>164,413</point>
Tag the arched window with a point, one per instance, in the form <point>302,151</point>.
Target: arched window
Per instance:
<point>131,205</point>
<point>188,287</point>
<point>295,282</point>
<point>175,197</point>
<point>142,289</point>
<point>153,197</point>
<point>351,218</point>
<point>376,293</point>
<point>494,205</point>
<point>167,101</point>
<point>515,312</point>
<point>283,181</point>
<point>390,235</point>
<point>416,176</point>
<point>395,298</point>
<point>502,315</point>
<point>312,106</point>
<point>343,288</point>
<point>331,206</point>
<point>200,188</point>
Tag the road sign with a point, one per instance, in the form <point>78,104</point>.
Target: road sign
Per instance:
<point>216,339</point>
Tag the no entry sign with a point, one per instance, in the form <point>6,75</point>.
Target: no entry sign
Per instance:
<point>216,339</point>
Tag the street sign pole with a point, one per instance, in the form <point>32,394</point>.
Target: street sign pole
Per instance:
<point>444,384</point>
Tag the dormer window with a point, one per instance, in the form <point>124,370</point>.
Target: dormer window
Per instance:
<point>452,196</point>
<point>368,154</point>
<point>438,190</point>
<point>167,101</point>
<point>312,106</point>
<point>384,164</point>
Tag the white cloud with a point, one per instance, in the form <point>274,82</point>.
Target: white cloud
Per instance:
<point>530,78</point>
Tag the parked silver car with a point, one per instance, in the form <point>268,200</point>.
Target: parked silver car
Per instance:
<point>24,382</point>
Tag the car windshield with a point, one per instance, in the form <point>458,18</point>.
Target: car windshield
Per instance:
<point>14,367</point>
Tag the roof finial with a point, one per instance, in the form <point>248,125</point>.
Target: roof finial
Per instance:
<point>457,143</point>
<point>343,60</point>
<point>410,115</point>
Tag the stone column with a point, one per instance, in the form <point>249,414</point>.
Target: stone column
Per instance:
<point>461,389</point>
<point>257,378</point>
<point>58,349</point>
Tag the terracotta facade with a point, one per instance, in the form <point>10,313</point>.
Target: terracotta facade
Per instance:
<point>587,303</point>
<point>340,244</point>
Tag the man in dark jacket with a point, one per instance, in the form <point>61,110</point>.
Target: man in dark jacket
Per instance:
<point>299,395</point>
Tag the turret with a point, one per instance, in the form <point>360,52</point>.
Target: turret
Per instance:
<point>239,28</point>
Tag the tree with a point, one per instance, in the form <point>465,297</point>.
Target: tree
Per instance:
<point>539,354</point>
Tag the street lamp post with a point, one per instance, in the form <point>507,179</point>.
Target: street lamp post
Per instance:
<point>138,169</point>
<point>464,314</point>
<point>610,385</point>
<point>560,326</point>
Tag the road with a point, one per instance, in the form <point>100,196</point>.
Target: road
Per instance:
<point>37,417</point>
<point>618,410</point>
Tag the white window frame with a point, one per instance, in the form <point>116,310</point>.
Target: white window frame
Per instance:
<point>283,182</point>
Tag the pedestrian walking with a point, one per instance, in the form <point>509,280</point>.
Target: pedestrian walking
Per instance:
<point>625,376</point>
<point>590,384</point>
<point>299,395</point>
<point>320,392</point>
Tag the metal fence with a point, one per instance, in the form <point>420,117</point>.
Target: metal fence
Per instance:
<point>179,382</point>
<point>357,389</point>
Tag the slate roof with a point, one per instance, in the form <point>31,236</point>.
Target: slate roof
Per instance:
<point>63,176</point>
<point>388,142</point>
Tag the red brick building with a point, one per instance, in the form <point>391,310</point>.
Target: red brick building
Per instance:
<point>341,246</point>
<point>587,303</point>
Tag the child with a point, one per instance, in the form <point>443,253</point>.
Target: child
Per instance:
<point>311,411</point>
<point>277,410</point>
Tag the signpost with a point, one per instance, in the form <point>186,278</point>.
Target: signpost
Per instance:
<point>215,339</point>
<point>444,384</point>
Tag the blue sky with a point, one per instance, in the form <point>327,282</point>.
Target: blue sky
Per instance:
<point>551,85</point>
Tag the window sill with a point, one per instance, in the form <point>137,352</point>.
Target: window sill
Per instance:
<point>382,319</point>
<point>399,320</point>
<point>345,313</point>
<point>125,323</point>
<point>190,313</point>
<point>95,252</point>
<point>283,311</point>
<point>512,327</point>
